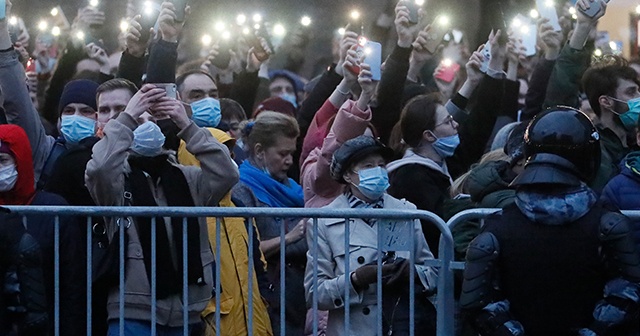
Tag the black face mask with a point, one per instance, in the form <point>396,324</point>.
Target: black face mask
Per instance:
<point>170,131</point>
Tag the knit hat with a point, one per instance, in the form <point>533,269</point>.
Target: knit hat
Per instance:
<point>81,91</point>
<point>276,104</point>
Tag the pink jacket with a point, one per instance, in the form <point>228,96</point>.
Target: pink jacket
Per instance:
<point>319,188</point>
<point>318,129</point>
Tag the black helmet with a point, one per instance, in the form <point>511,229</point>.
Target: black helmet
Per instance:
<point>562,147</point>
<point>354,150</point>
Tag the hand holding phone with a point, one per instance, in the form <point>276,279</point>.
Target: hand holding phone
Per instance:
<point>373,57</point>
<point>169,88</point>
<point>447,71</point>
<point>486,57</point>
<point>439,28</point>
<point>594,8</point>
<point>180,7</point>
<point>359,49</point>
<point>547,10</point>
<point>414,10</point>
<point>258,49</point>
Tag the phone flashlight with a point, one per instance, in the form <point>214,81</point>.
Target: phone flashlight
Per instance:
<point>638,9</point>
<point>443,20</point>
<point>355,15</point>
<point>241,19</point>
<point>226,35</point>
<point>54,11</point>
<point>219,26</point>
<point>549,3</point>
<point>341,31</point>
<point>362,40</point>
<point>279,30</point>
<point>43,25</point>
<point>206,40</point>
<point>534,14</point>
<point>257,17</point>
<point>597,53</point>
<point>13,20</point>
<point>419,2</point>
<point>305,21</point>
<point>80,35</point>
<point>148,8</point>
<point>447,62</point>
<point>124,25</point>
<point>516,23</point>
<point>94,3</point>
<point>246,31</point>
<point>55,31</point>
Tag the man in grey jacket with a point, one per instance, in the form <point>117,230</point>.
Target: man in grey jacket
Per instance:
<point>130,160</point>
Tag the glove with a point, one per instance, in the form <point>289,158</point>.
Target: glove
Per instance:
<point>367,274</point>
<point>400,273</point>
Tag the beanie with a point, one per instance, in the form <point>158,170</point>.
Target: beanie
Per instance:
<point>81,91</point>
<point>276,104</point>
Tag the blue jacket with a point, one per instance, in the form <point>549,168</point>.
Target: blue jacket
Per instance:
<point>623,191</point>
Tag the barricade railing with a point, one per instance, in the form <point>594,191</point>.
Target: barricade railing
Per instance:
<point>444,296</point>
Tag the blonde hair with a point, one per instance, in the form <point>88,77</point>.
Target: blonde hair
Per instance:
<point>459,185</point>
<point>267,128</point>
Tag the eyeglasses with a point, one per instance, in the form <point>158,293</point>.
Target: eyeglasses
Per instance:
<point>448,119</point>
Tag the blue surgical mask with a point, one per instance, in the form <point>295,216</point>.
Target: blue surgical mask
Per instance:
<point>148,139</point>
<point>206,112</point>
<point>75,128</point>
<point>290,97</point>
<point>373,182</point>
<point>445,147</point>
<point>629,119</point>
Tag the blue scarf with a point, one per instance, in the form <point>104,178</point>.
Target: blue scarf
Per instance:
<point>268,190</point>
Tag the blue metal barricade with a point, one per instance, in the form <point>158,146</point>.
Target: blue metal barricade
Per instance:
<point>444,297</point>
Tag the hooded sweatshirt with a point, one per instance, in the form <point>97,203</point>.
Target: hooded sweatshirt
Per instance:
<point>24,189</point>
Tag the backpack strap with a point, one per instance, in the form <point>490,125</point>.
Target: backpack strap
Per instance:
<point>58,149</point>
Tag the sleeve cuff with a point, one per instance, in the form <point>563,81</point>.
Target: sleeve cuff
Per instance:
<point>496,74</point>
<point>401,54</point>
<point>460,101</point>
<point>127,120</point>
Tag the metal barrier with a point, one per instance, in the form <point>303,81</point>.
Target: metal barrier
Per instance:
<point>444,298</point>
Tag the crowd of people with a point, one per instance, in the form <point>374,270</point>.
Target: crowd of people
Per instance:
<point>552,139</point>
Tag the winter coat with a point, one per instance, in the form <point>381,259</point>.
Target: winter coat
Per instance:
<point>332,280</point>
<point>105,179</point>
<point>623,191</point>
<point>319,188</point>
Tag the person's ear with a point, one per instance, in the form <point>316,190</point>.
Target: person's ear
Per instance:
<point>429,136</point>
<point>258,151</point>
<point>606,102</point>
<point>346,177</point>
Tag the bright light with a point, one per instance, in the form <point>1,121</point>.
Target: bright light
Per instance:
<point>241,19</point>
<point>124,26</point>
<point>598,53</point>
<point>447,62</point>
<point>524,30</point>
<point>226,35</point>
<point>443,20</point>
<point>305,21</point>
<point>219,26</point>
<point>362,40</point>
<point>148,7</point>
<point>574,16</point>
<point>206,40</point>
<point>516,23</point>
<point>613,46</point>
<point>257,17</point>
<point>94,3</point>
<point>55,31</point>
<point>246,30</point>
<point>43,25</point>
<point>572,10</point>
<point>367,51</point>
<point>341,31</point>
<point>534,14</point>
<point>13,20</point>
<point>354,14</point>
<point>80,35</point>
<point>256,26</point>
<point>638,9</point>
<point>279,30</point>
<point>54,11</point>
<point>549,3</point>
<point>419,2</point>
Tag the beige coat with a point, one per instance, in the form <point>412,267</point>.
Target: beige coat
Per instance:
<point>332,280</point>
<point>105,180</point>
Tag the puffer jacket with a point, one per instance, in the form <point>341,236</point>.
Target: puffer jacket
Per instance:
<point>488,184</point>
<point>623,191</point>
<point>105,179</point>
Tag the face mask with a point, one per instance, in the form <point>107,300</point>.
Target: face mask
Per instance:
<point>8,178</point>
<point>373,182</point>
<point>170,131</point>
<point>76,128</point>
<point>206,112</point>
<point>290,97</point>
<point>445,147</point>
<point>148,139</point>
<point>629,119</point>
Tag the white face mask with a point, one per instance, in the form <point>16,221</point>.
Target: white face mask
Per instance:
<point>8,178</point>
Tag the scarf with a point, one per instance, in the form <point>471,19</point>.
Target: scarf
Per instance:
<point>268,190</point>
<point>176,191</point>
<point>356,203</point>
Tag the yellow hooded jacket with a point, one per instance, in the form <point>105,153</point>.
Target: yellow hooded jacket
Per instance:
<point>234,271</point>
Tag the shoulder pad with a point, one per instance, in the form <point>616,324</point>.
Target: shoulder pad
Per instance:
<point>613,225</point>
<point>477,285</point>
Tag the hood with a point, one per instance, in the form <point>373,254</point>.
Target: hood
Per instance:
<point>487,178</point>
<point>24,189</point>
<point>555,207</point>
<point>410,157</point>
<point>630,166</point>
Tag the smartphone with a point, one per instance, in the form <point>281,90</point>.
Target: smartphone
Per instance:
<point>169,88</point>
<point>414,10</point>
<point>222,60</point>
<point>180,6</point>
<point>547,10</point>
<point>486,53</point>
<point>529,36</point>
<point>31,65</point>
<point>373,57</point>
<point>254,41</point>
<point>457,36</point>
<point>448,73</point>
<point>148,19</point>
<point>594,9</point>
<point>359,48</point>
<point>439,29</point>
<point>3,9</point>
